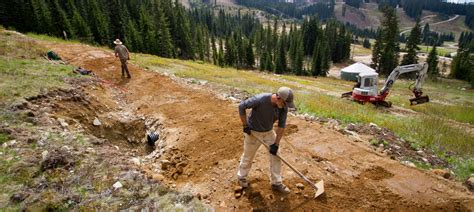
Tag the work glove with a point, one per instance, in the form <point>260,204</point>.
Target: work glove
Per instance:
<point>247,130</point>
<point>273,149</point>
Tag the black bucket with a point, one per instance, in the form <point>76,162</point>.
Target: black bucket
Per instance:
<point>152,138</point>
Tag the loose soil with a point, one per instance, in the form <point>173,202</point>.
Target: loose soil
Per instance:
<point>201,143</point>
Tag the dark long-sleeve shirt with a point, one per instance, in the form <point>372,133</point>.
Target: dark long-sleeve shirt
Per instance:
<point>263,113</point>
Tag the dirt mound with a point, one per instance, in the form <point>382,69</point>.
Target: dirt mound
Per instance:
<point>376,173</point>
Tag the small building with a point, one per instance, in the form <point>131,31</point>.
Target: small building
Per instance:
<point>351,72</point>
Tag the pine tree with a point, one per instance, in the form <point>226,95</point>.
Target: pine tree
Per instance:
<point>280,63</point>
<point>366,44</point>
<point>62,22</point>
<point>214,50</point>
<point>132,37</point>
<point>250,58</point>
<point>81,28</point>
<point>390,50</point>
<point>221,60</point>
<point>377,51</point>
<point>183,35</point>
<point>42,16</point>
<point>412,45</point>
<point>147,32</point>
<point>268,60</point>
<point>117,22</point>
<point>298,66</point>
<point>165,43</point>
<point>99,23</point>
<point>316,60</point>
<point>432,61</point>
<point>230,54</point>
<point>200,43</point>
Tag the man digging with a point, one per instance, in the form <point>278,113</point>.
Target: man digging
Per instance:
<point>122,52</point>
<point>266,109</point>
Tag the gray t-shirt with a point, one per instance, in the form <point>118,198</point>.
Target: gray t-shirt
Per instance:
<point>122,52</point>
<point>263,113</point>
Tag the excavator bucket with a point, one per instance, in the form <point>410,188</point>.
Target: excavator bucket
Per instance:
<point>419,100</point>
<point>346,95</point>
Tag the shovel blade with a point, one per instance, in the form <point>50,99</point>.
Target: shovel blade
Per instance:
<point>320,186</point>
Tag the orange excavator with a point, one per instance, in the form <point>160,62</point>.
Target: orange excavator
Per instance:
<point>366,88</point>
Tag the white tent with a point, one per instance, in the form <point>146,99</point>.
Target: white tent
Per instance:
<point>351,72</point>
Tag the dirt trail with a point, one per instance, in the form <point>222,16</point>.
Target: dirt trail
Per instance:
<point>203,144</point>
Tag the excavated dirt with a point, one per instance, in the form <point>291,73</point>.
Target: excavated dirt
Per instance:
<point>201,143</point>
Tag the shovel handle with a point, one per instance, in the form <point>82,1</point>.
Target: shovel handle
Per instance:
<point>289,165</point>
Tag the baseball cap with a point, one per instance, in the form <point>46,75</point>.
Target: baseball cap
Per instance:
<point>286,94</point>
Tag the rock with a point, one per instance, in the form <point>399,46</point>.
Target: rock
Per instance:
<point>331,170</point>
<point>223,204</point>
<point>238,189</point>
<point>117,185</point>
<point>135,161</point>
<point>306,196</point>
<point>66,148</point>
<point>333,124</point>
<point>19,197</point>
<point>372,125</point>
<point>11,143</point>
<point>57,158</point>
<point>270,197</point>
<point>175,176</point>
<point>470,183</point>
<point>298,192</point>
<point>165,164</point>
<point>442,173</point>
<point>351,127</point>
<point>237,195</point>
<point>300,186</point>
<point>424,160</point>
<point>44,154</point>
<point>419,152</point>
<point>63,123</point>
<point>96,122</point>
<point>90,150</point>
<point>409,163</point>
<point>158,177</point>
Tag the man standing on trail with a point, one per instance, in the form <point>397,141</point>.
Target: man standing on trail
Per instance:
<point>266,109</point>
<point>122,52</point>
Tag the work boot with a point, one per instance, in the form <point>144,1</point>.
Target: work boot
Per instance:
<point>282,188</point>
<point>243,183</point>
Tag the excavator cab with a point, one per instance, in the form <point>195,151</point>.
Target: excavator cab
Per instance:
<point>366,88</point>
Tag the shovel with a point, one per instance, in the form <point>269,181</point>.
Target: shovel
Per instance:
<point>318,187</point>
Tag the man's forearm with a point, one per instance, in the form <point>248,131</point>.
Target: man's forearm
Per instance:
<point>279,135</point>
<point>244,120</point>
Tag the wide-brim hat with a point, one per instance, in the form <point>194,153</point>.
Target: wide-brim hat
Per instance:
<point>117,41</point>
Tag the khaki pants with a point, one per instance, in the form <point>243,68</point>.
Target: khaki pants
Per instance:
<point>251,145</point>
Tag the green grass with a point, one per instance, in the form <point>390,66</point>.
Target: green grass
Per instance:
<point>23,78</point>
<point>50,38</point>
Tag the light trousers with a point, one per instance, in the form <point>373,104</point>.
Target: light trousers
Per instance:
<point>251,145</point>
